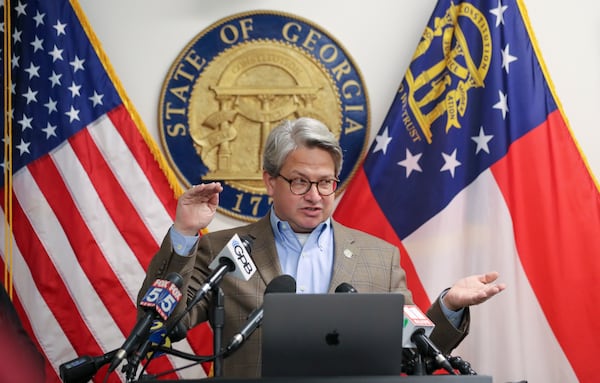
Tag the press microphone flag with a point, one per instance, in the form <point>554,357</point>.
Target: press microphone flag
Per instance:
<point>235,259</point>
<point>163,295</point>
<point>414,319</point>
<point>237,250</point>
<point>157,339</point>
<point>159,301</point>
<point>415,334</point>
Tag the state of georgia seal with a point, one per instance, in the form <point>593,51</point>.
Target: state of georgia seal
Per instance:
<point>238,79</point>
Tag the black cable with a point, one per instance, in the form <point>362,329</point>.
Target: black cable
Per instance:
<point>196,358</point>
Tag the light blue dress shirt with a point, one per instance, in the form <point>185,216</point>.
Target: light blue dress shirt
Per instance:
<point>311,263</point>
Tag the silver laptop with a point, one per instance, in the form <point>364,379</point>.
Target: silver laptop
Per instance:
<point>332,334</point>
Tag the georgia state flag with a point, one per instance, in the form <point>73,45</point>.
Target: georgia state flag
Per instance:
<point>475,169</point>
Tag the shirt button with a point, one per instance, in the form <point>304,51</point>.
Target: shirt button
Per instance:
<point>302,289</point>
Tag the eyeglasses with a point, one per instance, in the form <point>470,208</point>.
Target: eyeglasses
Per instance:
<point>301,186</point>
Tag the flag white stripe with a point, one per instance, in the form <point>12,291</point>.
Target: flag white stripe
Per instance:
<point>472,235</point>
<point>132,178</point>
<point>45,224</point>
<point>114,248</point>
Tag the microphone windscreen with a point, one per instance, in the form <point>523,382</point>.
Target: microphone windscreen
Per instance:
<point>176,279</point>
<point>345,288</point>
<point>281,284</point>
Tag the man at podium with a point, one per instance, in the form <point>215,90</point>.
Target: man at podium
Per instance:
<point>301,163</point>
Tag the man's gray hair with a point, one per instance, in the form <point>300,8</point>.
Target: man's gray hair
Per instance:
<point>293,134</point>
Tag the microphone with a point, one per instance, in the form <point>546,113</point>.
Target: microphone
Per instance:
<point>414,319</point>
<point>83,369</point>
<point>235,259</point>
<point>160,301</point>
<point>281,284</point>
<point>345,288</point>
<point>419,326</point>
<point>158,337</point>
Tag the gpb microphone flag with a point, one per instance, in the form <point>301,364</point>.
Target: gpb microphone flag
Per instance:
<point>234,259</point>
<point>238,251</point>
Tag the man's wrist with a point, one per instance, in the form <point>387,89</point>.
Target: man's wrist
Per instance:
<point>445,304</point>
<point>182,244</point>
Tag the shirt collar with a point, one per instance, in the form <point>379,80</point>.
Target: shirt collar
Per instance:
<point>282,229</point>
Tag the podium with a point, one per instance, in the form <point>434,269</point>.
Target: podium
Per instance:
<point>344,379</point>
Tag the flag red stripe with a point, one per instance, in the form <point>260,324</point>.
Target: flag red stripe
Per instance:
<point>85,248</point>
<point>90,256</point>
<point>371,219</point>
<point>129,224</point>
<point>124,215</point>
<point>132,137</point>
<point>548,191</point>
<point>50,285</point>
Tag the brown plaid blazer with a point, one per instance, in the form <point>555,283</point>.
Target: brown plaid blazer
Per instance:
<point>364,261</point>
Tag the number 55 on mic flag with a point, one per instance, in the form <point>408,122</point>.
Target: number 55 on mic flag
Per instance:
<point>163,296</point>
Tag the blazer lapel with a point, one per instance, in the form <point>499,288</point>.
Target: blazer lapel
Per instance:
<point>266,259</point>
<point>345,256</point>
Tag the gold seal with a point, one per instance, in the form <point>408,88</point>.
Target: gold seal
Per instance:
<point>237,80</point>
<point>246,91</point>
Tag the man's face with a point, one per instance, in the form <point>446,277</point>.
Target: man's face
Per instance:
<point>302,212</point>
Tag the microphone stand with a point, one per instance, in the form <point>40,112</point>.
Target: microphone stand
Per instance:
<point>218,323</point>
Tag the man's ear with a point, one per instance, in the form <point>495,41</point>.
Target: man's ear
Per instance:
<point>269,182</point>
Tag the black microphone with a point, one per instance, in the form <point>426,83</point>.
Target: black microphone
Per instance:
<point>159,302</point>
<point>345,288</point>
<point>427,348</point>
<point>461,365</point>
<point>416,330</point>
<point>83,369</point>
<point>234,258</point>
<point>157,338</point>
<point>281,284</point>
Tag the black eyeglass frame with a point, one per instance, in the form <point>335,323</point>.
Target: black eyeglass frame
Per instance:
<point>310,183</point>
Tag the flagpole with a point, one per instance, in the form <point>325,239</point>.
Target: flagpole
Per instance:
<point>8,265</point>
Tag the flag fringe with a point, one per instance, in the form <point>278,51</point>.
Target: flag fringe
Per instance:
<point>537,51</point>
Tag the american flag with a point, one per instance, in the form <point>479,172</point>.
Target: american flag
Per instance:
<point>90,196</point>
<point>475,169</point>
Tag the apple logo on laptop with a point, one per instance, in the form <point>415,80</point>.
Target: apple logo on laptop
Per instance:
<point>332,338</point>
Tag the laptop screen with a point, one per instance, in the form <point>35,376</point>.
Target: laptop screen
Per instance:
<point>332,334</point>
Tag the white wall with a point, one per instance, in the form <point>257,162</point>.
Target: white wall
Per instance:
<point>142,38</point>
